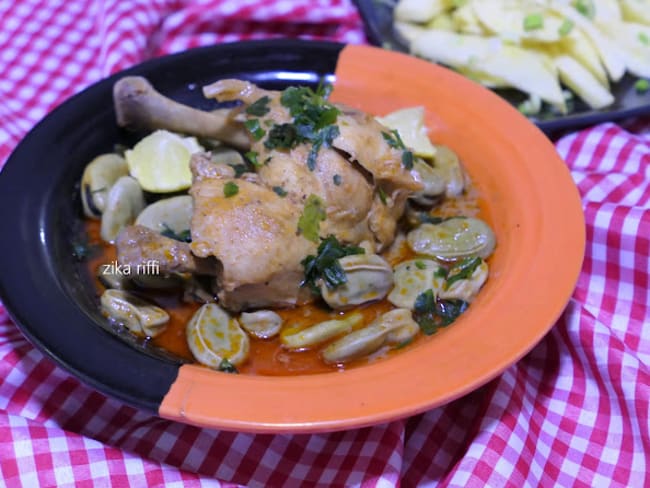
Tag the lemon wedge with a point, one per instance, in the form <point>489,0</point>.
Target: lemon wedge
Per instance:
<point>213,335</point>
<point>409,123</point>
<point>161,161</point>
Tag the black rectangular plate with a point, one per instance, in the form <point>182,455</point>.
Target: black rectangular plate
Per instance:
<point>377,16</point>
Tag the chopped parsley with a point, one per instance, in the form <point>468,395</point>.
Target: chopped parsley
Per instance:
<point>230,189</point>
<point>431,312</point>
<point>279,191</point>
<point>407,159</point>
<point>252,157</point>
<point>382,195</point>
<point>312,215</point>
<point>337,180</point>
<point>182,236</point>
<point>325,265</point>
<point>533,22</point>
<point>227,367</point>
<point>462,271</point>
<point>240,169</point>
<point>324,137</point>
<point>441,273</point>
<point>283,136</point>
<point>253,126</point>
<point>395,141</point>
<point>314,122</point>
<point>260,107</point>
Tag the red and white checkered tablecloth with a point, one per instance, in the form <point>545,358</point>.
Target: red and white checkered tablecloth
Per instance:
<point>574,412</point>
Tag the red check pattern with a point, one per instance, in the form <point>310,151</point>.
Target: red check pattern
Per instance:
<point>573,412</point>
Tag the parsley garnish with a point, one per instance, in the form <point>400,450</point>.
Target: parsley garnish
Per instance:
<point>227,367</point>
<point>252,157</point>
<point>312,215</point>
<point>407,159</point>
<point>313,121</point>
<point>462,270</point>
<point>183,236</point>
<point>282,136</point>
<point>324,137</point>
<point>240,169</point>
<point>431,312</point>
<point>395,141</point>
<point>441,273</point>
<point>260,107</point>
<point>325,264</point>
<point>279,191</point>
<point>337,180</point>
<point>230,189</point>
<point>253,126</point>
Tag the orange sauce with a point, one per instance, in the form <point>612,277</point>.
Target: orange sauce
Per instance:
<point>267,357</point>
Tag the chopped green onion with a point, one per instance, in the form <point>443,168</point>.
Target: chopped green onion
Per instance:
<point>585,7</point>
<point>533,21</point>
<point>644,38</point>
<point>566,27</point>
<point>641,86</point>
<point>230,189</point>
<point>420,265</point>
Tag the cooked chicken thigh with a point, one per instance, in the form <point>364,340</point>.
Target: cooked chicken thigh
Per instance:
<point>253,234</point>
<point>304,150</point>
<point>348,176</point>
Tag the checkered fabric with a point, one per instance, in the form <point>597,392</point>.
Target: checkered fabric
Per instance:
<point>573,412</point>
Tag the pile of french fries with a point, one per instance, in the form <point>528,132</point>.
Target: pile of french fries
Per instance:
<point>535,46</point>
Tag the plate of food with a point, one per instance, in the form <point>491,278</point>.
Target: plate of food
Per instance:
<point>563,64</point>
<point>287,236</point>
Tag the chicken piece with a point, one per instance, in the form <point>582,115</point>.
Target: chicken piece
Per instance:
<point>253,234</point>
<point>138,245</point>
<point>139,106</point>
<point>346,176</point>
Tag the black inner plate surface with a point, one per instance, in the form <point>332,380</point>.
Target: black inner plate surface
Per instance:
<point>378,20</point>
<point>42,282</point>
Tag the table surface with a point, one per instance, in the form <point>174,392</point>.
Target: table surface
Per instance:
<point>573,412</point>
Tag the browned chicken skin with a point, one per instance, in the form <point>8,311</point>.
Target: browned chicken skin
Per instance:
<point>254,234</point>
<point>346,176</point>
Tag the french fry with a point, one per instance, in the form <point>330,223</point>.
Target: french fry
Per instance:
<point>607,10</point>
<point>582,82</point>
<point>519,20</point>
<point>609,52</point>
<point>636,11</point>
<point>533,45</point>
<point>634,41</point>
<point>420,11</point>
<point>466,21</point>
<point>520,68</point>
